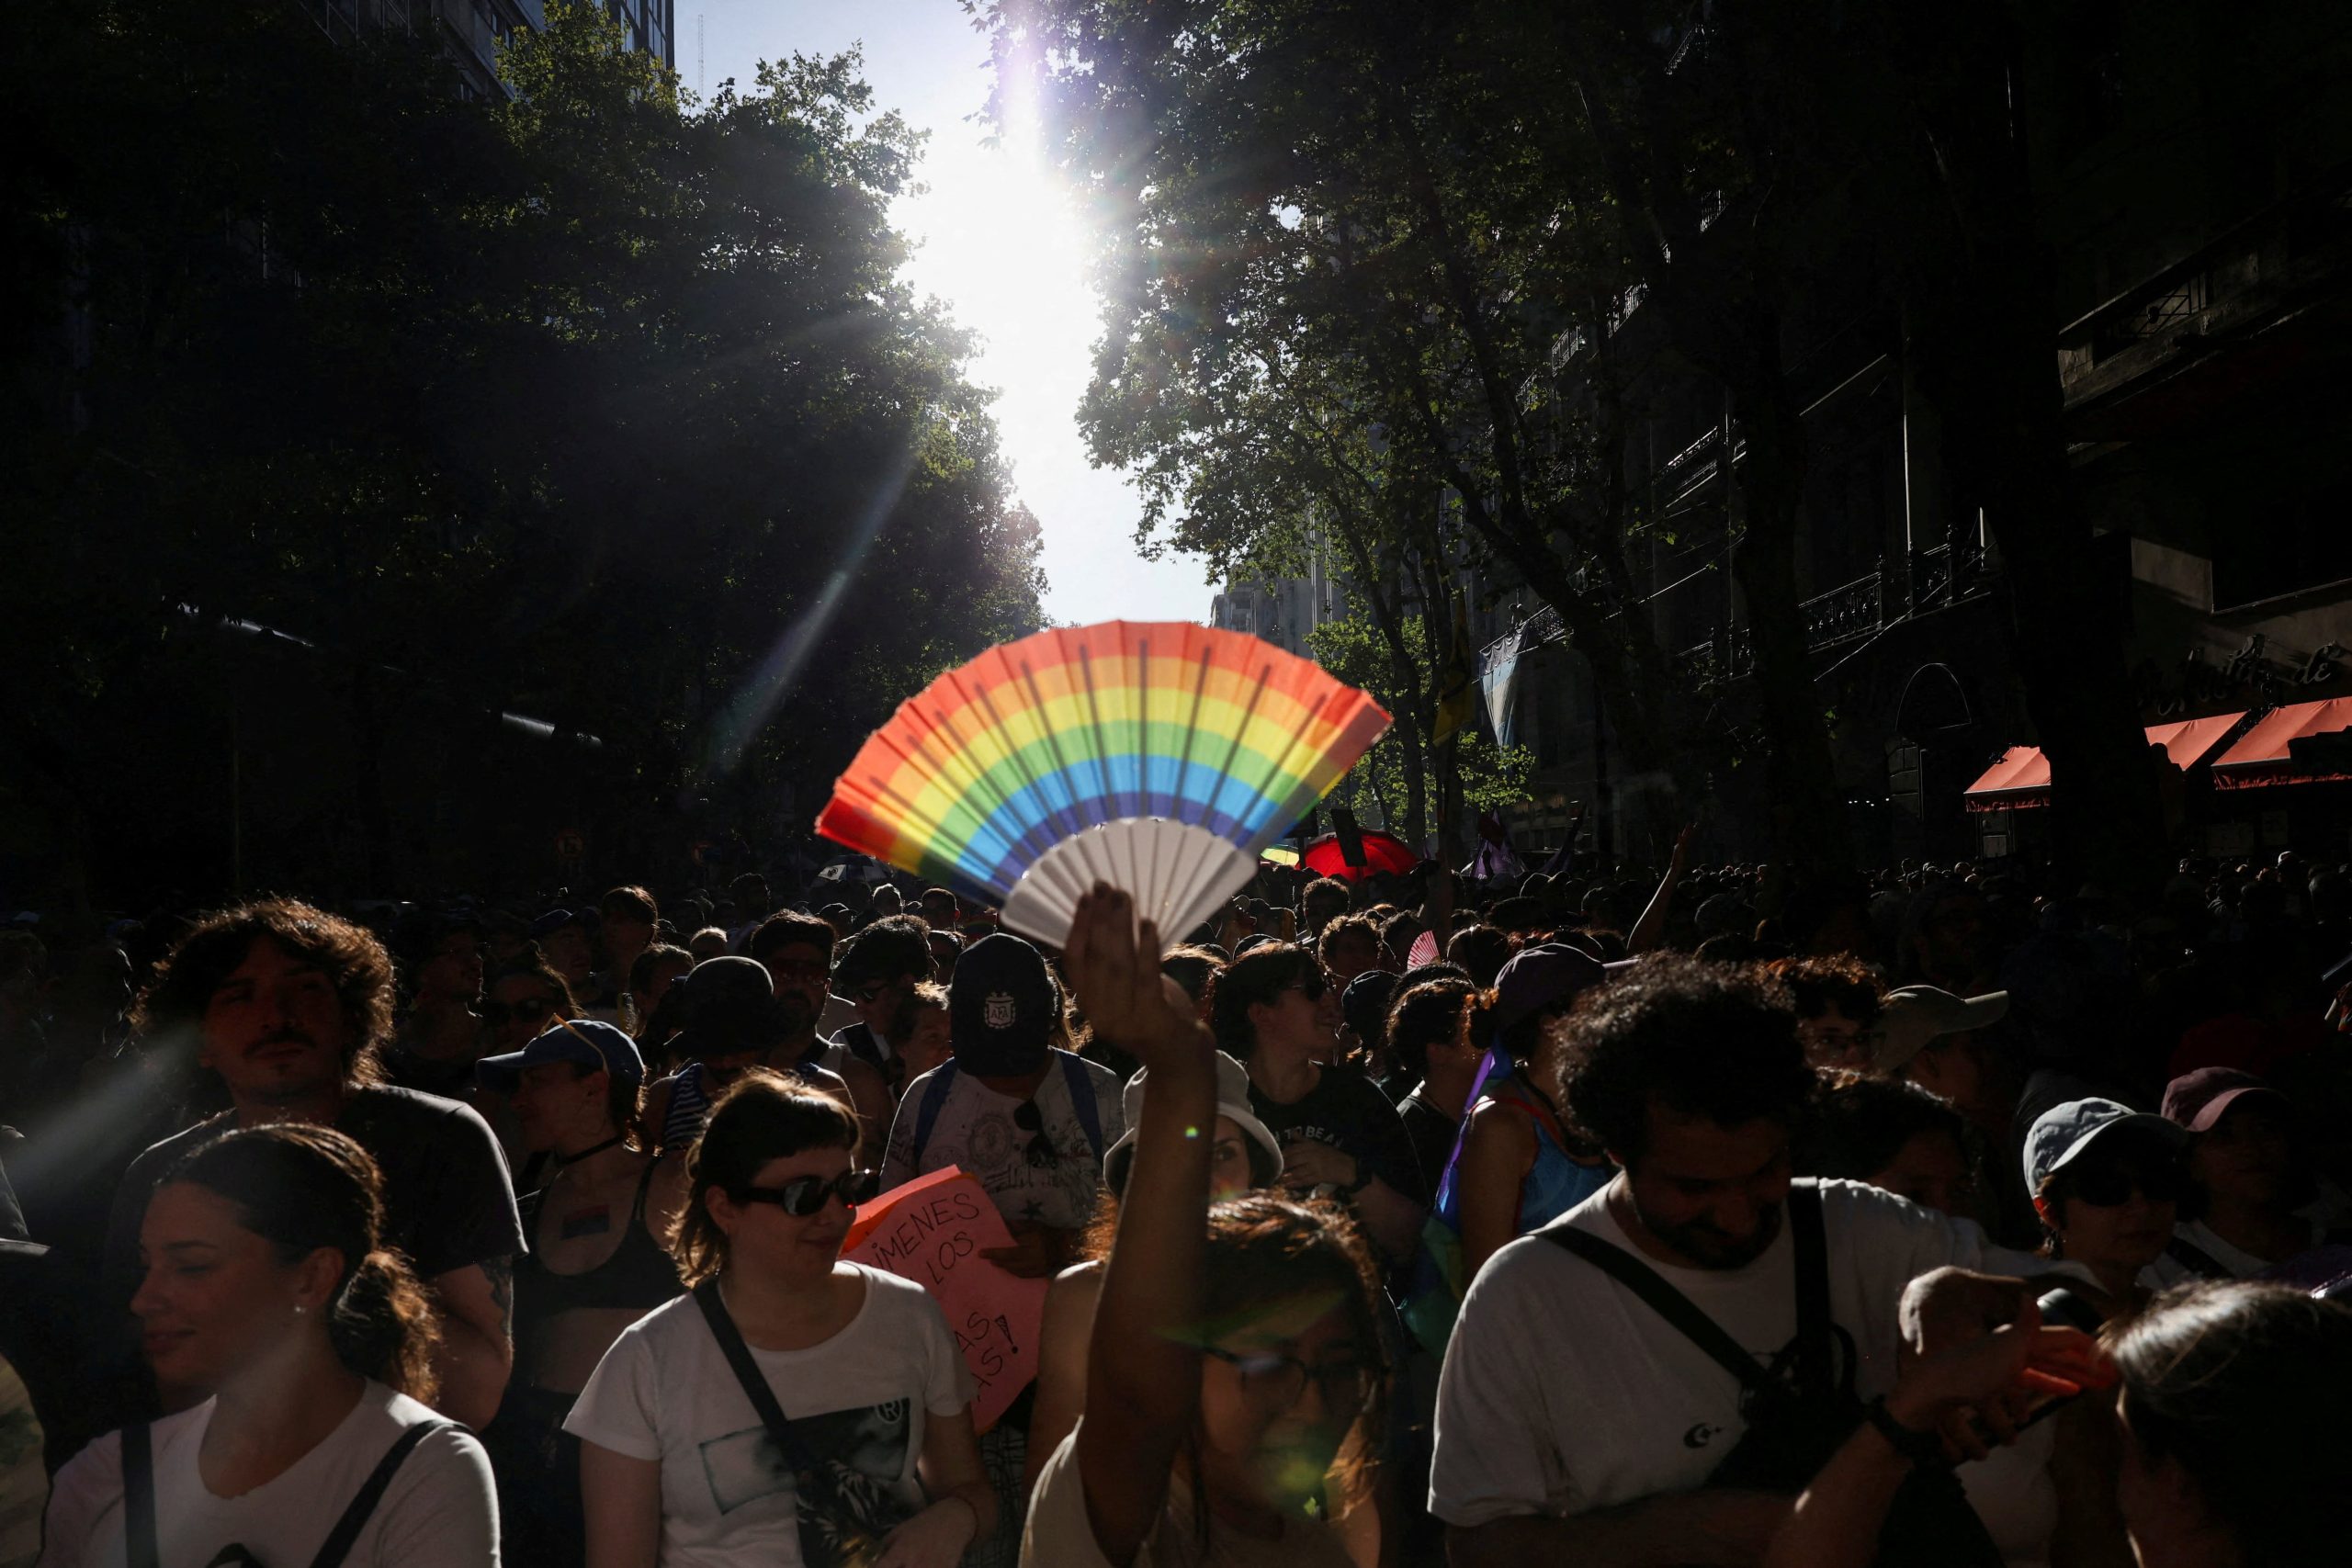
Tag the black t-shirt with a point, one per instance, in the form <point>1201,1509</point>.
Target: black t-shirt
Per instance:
<point>452,1078</point>
<point>1345,1109</point>
<point>449,1201</point>
<point>1433,1133</point>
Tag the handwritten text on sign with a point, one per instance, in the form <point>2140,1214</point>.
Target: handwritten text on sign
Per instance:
<point>932,1231</point>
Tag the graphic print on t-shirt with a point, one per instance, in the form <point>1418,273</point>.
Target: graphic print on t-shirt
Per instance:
<point>864,1445</point>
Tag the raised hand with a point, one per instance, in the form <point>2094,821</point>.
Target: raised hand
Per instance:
<point>1113,965</point>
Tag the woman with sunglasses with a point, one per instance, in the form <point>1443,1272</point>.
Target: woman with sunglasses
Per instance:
<point>793,1409</point>
<point>1275,1010</point>
<point>524,1000</point>
<point>1236,1348</point>
<point>2106,1181</point>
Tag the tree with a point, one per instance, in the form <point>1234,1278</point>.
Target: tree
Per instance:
<point>594,404</point>
<point>1492,777</point>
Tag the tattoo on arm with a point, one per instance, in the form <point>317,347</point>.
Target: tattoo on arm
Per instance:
<point>500,1272</point>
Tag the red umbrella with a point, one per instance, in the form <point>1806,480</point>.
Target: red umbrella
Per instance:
<point>1382,852</point>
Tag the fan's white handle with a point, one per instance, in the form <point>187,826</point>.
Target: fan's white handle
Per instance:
<point>1178,874</point>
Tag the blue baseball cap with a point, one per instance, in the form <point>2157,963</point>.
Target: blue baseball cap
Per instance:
<point>591,1042</point>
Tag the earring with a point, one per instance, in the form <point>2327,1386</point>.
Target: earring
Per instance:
<point>300,1309</point>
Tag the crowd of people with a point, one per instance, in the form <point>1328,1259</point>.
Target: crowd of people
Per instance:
<point>1704,1216</point>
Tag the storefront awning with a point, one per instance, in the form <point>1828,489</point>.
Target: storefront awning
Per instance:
<point>2023,773</point>
<point>2268,753</point>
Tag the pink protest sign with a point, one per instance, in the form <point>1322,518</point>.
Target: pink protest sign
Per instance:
<point>932,1231</point>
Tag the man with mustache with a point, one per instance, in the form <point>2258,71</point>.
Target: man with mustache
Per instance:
<point>286,1008</point>
<point>1575,1422</point>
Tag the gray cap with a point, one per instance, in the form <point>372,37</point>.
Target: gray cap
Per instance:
<point>1232,1100</point>
<point>1912,1017</point>
<point>2063,1132</point>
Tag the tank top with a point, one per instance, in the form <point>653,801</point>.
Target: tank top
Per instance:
<point>1556,1181</point>
<point>690,1096</point>
<point>639,1275</point>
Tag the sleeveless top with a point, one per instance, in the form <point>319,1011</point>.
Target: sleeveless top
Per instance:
<point>1556,1181</point>
<point>639,1275</point>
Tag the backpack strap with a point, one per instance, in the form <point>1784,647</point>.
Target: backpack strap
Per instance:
<point>934,1097</point>
<point>139,1549</point>
<point>2196,1259</point>
<point>1661,1298</point>
<point>1815,1330</point>
<point>1082,1098</point>
<point>339,1541</point>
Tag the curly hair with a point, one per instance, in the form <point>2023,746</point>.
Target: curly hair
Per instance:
<point>301,1189</point>
<point>763,1116</point>
<point>1338,930</point>
<point>1256,977</point>
<point>1857,1125</point>
<point>2223,1379</point>
<point>172,1008</point>
<point>1838,980</point>
<point>1429,1013</point>
<point>1700,1039</point>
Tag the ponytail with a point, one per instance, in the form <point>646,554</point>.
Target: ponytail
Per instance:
<point>304,1188</point>
<point>382,1325</point>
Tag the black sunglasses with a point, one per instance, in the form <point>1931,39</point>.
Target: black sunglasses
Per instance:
<point>1041,1150</point>
<point>806,1195</point>
<point>2110,1183</point>
<point>1311,986</point>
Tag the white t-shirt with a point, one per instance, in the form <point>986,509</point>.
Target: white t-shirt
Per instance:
<point>728,1499</point>
<point>974,1129</point>
<point>440,1507</point>
<point>1059,1534</point>
<point>1562,1392</point>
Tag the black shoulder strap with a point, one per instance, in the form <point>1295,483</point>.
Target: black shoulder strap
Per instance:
<point>139,1497</point>
<point>1814,1332</point>
<point>338,1544</point>
<point>1661,1298</point>
<point>747,1373</point>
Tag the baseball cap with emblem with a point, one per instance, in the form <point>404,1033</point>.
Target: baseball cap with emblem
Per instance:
<point>588,1041</point>
<point>1001,1007</point>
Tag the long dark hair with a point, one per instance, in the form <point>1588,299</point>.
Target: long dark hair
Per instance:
<point>303,1188</point>
<point>2224,1379</point>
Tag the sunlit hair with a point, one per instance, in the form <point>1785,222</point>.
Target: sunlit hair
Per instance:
<point>2224,1378</point>
<point>1838,980</point>
<point>641,967</point>
<point>1258,977</point>
<point>1428,1014</point>
<point>172,1008</point>
<point>763,1116</point>
<point>302,1188</point>
<point>1482,950</point>
<point>931,995</point>
<point>1338,930</point>
<point>1192,968</point>
<point>630,904</point>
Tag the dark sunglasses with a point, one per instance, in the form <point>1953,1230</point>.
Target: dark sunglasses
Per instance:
<point>1310,985</point>
<point>2109,1184</point>
<point>496,1013</point>
<point>806,1195</point>
<point>1041,1150</point>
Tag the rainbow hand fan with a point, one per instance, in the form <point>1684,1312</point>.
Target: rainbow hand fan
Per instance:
<point>1158,758</point>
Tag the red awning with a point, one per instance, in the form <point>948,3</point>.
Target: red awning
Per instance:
<point>2023,769</point>
<point>2266,746</point>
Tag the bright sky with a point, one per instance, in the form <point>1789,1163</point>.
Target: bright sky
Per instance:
<point>998,241</point>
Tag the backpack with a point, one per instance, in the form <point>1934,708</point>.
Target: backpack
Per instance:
<point>1081,1096</point>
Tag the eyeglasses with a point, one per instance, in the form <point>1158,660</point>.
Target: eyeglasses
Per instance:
<point>2107,1186</point>
<point>1041,1151</point>
<point>1346,1386</point>
<point>806,1195</point>
<point>497,1013</point>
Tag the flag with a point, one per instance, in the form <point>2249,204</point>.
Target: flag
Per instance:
<point>1457,685</point>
